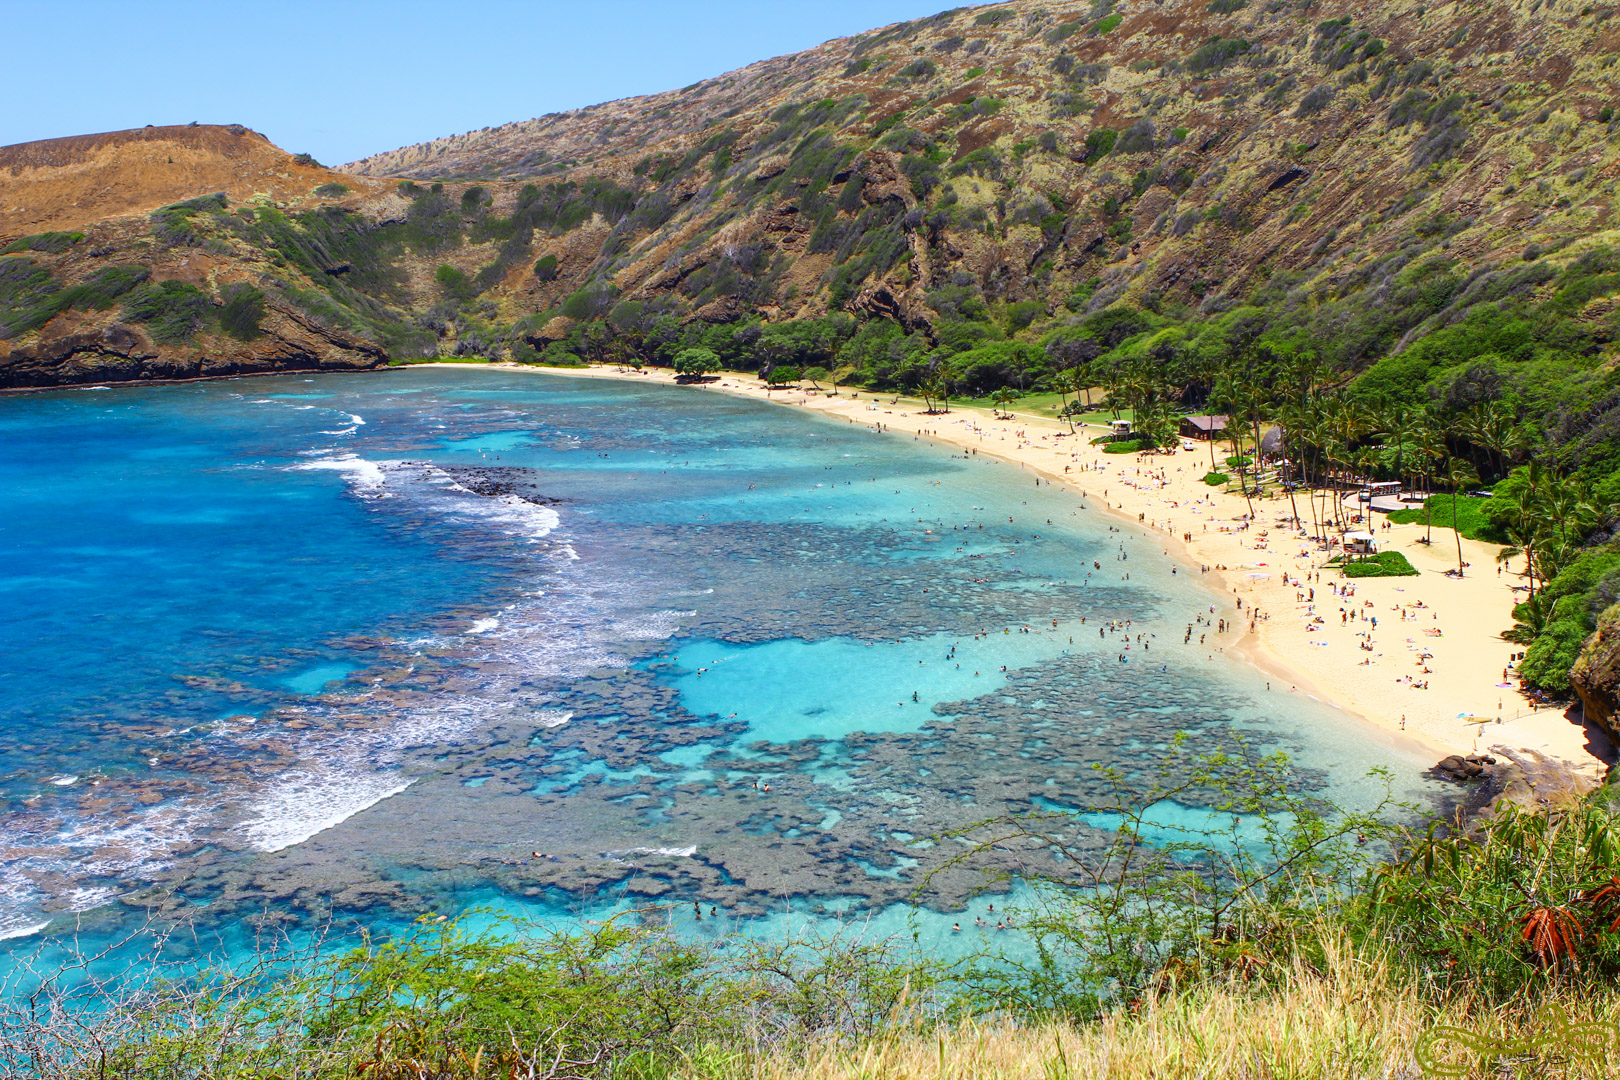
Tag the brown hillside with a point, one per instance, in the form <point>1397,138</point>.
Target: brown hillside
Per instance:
<point>1189,149</point>
<point>985,174</point>
<point>62,183</point>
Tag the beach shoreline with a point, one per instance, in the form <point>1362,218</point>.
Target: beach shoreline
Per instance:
<point>1439,631</point>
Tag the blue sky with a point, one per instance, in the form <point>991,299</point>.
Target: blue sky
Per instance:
<point>344,78</point>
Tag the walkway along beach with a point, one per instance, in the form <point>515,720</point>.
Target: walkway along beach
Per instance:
<point>1433,666</point>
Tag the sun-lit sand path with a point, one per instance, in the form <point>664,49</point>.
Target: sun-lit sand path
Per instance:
<point>1434,667</point>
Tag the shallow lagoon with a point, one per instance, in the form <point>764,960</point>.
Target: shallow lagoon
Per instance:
<point>361,647</point>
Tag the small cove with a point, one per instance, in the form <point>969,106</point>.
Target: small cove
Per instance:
<point>512,614</point>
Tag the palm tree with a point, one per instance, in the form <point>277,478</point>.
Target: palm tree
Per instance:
<point>1397,425</point>
<point>1432,445</point>
<point>1001,399</point>
<point>1492,427</point>
<point>1301,431</point>
<point>1065,383</point>
<point>1459,474</point>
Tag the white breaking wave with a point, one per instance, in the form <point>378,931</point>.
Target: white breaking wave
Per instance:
<point>552,718</point>
<point>366,477</point>
<point>666,852</point>
<point>483,626</point>
<point>503,511</point>
<point>302,804</point>
<point>16,926</point>
<point>653,626</point>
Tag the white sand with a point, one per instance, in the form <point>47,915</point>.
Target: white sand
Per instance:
<point>1321,660</point>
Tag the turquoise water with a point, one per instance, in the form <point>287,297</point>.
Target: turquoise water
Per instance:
<point>360,648</point>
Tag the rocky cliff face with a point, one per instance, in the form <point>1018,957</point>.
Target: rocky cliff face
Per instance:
<point>1596,675</point>
<point>117,266</point>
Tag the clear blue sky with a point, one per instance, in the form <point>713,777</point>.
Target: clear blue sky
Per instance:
<point>344,78</point>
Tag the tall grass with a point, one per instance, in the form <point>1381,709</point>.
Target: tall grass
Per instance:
<point>1357,1015</point>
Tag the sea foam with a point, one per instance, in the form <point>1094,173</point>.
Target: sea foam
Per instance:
<point>302,804</point>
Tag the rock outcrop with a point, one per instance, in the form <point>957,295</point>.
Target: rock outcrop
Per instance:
<point>1596,674</point>
<point>119,353</point>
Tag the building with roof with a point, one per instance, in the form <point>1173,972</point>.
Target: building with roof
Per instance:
<point>1203,427</point>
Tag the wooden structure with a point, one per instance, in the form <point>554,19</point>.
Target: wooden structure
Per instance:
<point>1203,427</point>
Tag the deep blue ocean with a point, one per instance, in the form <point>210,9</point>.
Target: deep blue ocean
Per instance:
<point>294,650</point>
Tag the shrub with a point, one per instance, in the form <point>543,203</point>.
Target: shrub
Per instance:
<point>783,376</point>
<point>52,242</point>
<point>920,69</point>
<point>474,199</point>
<point>1099,144</point>
<point>1104,25</point>
<point>1216,479</point>
<point>1384,564</point>
<point>1214,54</point>
<point>307,160</point>
<point>172,310</point>
<point>98,291</point>
<point>1129,446</point>
<point>1314,101</point>
<point>332,191</point>
<point>591,301</point>
<point>27,297</point>
<point>173,223</point>
<point>242,311</point>
<point>455,284</point>
<point>545,268</point>
<point>1138,139</point>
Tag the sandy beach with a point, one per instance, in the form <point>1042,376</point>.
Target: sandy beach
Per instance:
<point>1434,669</point>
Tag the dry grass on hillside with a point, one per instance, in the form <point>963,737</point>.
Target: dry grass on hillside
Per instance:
<point>1355,1020</point>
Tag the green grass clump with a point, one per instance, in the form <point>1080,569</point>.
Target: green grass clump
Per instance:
<point>1129,446</point>
<point>1436,510</point>
<point>173,225</point>
<point>53,243</point>
<point>1216,479</point>
<point>242,311</point>
<point>1384,564</point>
<point>27,297</point>
<point>98,291</point>
<point>173,311</point>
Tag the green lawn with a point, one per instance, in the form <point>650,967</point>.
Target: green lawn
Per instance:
<point>1046,405</point>
<point>1384,564</point>
<point>1471,521</point>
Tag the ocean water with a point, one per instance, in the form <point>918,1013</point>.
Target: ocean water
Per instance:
<point>288,651</point>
